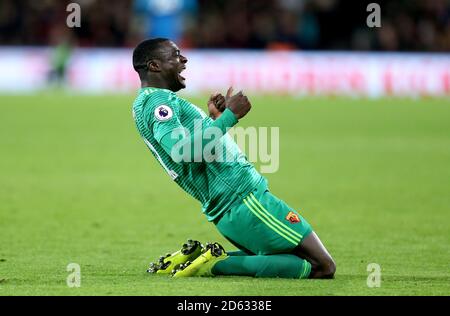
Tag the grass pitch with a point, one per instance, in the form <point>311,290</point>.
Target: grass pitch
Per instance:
<point>77,185</point>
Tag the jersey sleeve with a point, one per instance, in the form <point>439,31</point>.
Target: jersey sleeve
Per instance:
<point>219,126</point>
<point>162,113</point>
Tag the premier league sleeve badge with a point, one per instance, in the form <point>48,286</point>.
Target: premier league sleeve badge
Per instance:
<point>163,113</point>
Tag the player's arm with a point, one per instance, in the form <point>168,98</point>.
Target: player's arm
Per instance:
<point>183,147</point>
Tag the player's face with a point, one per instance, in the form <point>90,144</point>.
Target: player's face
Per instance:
<point>172,64</point>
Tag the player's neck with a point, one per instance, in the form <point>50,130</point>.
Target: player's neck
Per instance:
<point>145,83</point>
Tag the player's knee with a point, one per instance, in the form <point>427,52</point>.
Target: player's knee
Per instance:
<point>328,268</point>
<point>323,269</point>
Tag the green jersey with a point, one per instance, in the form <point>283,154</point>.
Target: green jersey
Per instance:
<point>160,115</point>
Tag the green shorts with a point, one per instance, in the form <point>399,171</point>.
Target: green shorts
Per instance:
<point>263,224</point>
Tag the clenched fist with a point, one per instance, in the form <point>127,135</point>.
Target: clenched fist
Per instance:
<point>238,103</point>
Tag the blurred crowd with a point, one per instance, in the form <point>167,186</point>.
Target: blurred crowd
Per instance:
<point>406,25</point>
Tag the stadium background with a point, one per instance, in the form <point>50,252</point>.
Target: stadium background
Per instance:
<point>364,140</point>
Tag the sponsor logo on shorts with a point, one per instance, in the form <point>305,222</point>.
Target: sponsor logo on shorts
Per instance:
<point>292,218</point>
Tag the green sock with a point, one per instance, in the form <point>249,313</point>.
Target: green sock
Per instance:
<point>273,266</point>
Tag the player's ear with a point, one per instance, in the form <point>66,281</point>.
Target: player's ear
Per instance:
<point>153,65</point>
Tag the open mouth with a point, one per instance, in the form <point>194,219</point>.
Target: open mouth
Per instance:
<point>179,74</point>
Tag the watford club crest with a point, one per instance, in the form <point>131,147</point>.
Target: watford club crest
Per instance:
<point>293,218</point>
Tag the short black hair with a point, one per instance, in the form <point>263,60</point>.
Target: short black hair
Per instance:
<point>145,51</point>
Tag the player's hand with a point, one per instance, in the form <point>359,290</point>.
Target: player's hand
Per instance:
<point>216,105</point>
<point>238,103</point>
